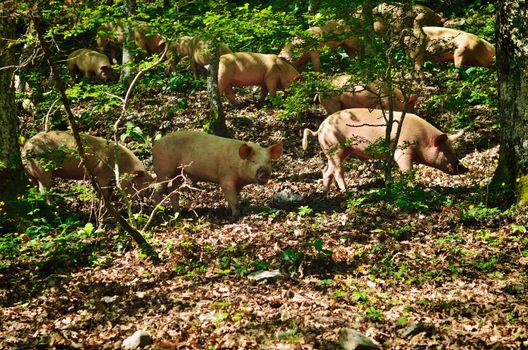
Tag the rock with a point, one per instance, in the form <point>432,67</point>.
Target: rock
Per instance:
<point>138,339</point>
<point>416,328</point>
<point>265,275</point>
<point>286,197</point>
<point>352,340</point>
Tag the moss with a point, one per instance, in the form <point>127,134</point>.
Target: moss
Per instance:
<point>522,189</point>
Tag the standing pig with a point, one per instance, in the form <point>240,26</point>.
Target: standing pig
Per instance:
<point>348,133</point>
<point>231,163</point>
<point>359,96</point>
<point>268,71</point>
<point>446,44</point>
<point>328,34</point>
<point>197,50</point>
<point>111,36</point>
<point>90,64</point>
<point>53,153</point>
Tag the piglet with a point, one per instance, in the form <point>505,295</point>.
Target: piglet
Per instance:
<point>231,163</point>
<point>349,132</point>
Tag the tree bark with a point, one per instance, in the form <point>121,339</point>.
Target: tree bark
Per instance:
<point>12,178</point>
<point>215,123</point>
<point>126,72</point>
<point>511,177</point>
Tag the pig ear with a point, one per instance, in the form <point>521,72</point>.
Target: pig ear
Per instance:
<point>440,139</point>
<point>412,101</point>
<point>454,137</point>
<point>275,151</point>
<point>245,151</point>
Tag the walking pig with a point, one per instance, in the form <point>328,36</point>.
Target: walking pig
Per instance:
<point>360,96</point>
<point>90,64</point>
<point>348,133</point>
<point>197,50</point>
<point>446,44</point>
<point>268,71</point>
<point>231,163</point>
<point>54,154</point>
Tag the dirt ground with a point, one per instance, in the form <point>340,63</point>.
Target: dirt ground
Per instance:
<point>346,260</point>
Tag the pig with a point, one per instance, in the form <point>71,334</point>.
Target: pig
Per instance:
<point>152,43</point>
<point>360,96</point>
<point>445,44</point>
<point>395,15</point>
<point>112,36</point>
<point>348,133</point>
<point>90,64</point>
<point>231,163</point>
<point>327,34</point>
<point>268,71</point>
<point>197,50</point>
<point>54,154</point>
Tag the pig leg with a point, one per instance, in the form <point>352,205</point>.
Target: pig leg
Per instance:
<point>162,189</point>
<point>403,159</point>
<point>231,195</point>
<point>229,94</point>
<point>328,175</point>
<point>316,60</point>
<point>339,173</point>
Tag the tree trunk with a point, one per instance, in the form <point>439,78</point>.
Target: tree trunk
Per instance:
<point>126,73</point>
<point>511,177</point>
<point>215,123</point>
<point>12,179</point>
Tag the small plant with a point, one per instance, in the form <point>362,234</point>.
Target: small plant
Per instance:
<point>318,245</point>
<point>375,314</point>
<point>305,211</point>
<point>480,213</point>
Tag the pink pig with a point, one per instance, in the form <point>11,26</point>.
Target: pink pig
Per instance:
<point>349,132</point>
<point>231,163</point>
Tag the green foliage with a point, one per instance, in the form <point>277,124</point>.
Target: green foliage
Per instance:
<point>412,198</point>
<point>481,213</point>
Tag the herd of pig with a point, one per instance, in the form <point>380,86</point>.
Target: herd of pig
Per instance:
<point>355,121</point>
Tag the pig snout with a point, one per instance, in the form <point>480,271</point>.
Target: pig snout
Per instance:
<point>263,175</point>
<point>460,169</point>
<point>456,169</point>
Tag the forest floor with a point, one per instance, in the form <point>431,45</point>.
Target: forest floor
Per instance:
<point>435,259</point>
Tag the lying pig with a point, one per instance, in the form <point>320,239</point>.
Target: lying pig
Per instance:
<point>359,96</point>
<point>197,50</point>
<point>297,51</point>
<point>348,133</point>
<point>54,154</point>
<point>90,64</point>
<point>445,44</point>
<point>268,71</point>
<point>231,163</point>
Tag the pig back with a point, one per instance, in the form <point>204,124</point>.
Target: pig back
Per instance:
<point>242,68</point>
<point>363,127</point>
